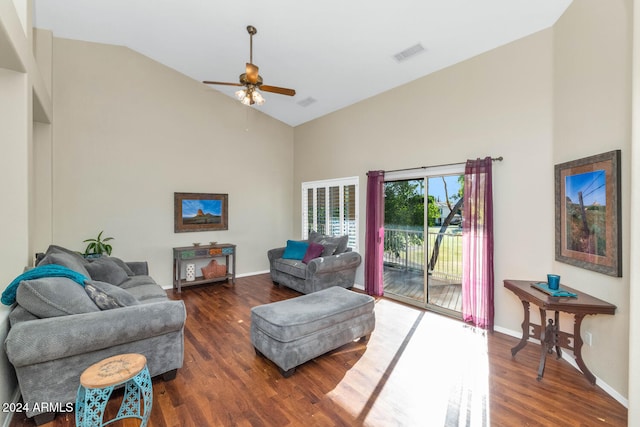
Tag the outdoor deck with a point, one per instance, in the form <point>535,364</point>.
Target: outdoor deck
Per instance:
<point>409,283</point>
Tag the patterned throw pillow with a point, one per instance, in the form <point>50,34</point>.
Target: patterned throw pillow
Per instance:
<point>107,296</point>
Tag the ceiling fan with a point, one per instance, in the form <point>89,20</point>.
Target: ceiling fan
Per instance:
<point>252,81</point>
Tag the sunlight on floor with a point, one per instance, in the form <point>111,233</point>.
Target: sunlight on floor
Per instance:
<point>433,370</point>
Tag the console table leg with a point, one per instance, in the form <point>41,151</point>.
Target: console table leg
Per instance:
<point>544,331</point>
<point>577,349</point>
<point>555,338</point>
<point>525,330</point>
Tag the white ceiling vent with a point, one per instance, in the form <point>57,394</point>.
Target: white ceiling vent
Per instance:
<point>307,101</point>
<point>409,52</point>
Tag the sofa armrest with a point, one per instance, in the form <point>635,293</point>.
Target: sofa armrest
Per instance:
<point>41,340</point>
<point>274,254</point>
<point>139,268</point>
<point>329,264</point>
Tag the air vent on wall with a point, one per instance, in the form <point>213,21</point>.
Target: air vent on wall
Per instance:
<point>307,101</point>
<point>409,52</point>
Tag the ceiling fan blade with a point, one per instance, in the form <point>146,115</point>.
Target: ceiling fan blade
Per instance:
<point>221,83</point>
<point>252,73</point>
<point>280,90</point>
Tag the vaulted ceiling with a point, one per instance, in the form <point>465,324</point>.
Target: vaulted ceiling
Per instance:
<point>334,53</point>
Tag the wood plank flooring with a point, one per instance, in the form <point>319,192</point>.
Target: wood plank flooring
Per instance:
<point>418,369</point>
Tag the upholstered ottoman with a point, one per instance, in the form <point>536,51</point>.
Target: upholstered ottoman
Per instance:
<point>294,331</point>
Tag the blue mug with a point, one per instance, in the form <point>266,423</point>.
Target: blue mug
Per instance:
<point>553,280</point>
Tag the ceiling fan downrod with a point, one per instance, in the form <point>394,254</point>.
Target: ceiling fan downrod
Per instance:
<point>251,30</point>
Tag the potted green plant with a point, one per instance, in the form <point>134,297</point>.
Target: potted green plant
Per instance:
<point>98,246</point>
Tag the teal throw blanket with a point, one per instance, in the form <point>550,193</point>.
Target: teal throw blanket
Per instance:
<point>49,270</point>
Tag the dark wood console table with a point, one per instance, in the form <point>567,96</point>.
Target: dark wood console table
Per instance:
<point>190,253</point>
<point>548,333</point>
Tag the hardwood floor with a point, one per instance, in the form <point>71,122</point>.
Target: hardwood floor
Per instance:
<point>417,369</point>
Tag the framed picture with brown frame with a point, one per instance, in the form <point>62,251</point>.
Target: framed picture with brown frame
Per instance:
<point>200,212</point>
<point>588,226</point>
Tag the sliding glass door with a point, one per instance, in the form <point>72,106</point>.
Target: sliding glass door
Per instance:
<point>423,241</point>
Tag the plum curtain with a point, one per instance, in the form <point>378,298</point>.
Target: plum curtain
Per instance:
<point>374,234</point>
<point>477,241</point>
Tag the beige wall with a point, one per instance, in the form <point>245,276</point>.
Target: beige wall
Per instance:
<point>592,115</point>
<point>129,132</point>
<point>634,291</point>
<point>14,224</point>
<point>555,96</point>
<point>21,84</point>
<point>496,104</point>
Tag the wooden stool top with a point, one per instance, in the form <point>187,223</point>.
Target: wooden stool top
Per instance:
<point>113,370</point>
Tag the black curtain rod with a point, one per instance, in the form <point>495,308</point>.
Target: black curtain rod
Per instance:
<point>495,159</point>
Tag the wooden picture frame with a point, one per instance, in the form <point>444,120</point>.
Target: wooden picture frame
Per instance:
<point>588,207</point>
<point>200,212</point>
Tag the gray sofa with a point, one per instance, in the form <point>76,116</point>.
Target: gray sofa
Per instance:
<point>336,266</point>
<point>58,328</point>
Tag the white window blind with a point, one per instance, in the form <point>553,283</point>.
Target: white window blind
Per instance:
<point>331,207</point>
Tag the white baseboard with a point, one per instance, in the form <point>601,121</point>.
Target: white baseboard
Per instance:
<point>568,356</point>
<point>255,273</point>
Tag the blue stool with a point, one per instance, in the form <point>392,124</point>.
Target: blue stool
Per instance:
<point>98,381</point>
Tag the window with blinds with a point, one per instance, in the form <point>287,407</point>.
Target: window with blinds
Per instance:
<point>331,207</point>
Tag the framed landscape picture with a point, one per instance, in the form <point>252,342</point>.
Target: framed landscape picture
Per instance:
<point>588,213</point>
<point>200,212</point>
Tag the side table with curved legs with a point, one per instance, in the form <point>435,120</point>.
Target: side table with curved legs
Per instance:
<point>549,334</point>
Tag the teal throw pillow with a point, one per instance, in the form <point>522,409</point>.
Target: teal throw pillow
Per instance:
<point>295,249</point>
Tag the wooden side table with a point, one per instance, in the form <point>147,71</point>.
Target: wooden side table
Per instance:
<point>549,333</point>
<point>190,253</point>
<point>98,381</point>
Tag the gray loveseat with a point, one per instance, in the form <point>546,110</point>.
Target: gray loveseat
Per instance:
<point>58,328</point>
<point>336,266</point>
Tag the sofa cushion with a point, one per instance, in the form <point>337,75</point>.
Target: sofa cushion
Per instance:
<point>53,297</point>
<point>139,280</point>
<point>20,314</point>
<point>122,264</point>
<point>105,269</point>
<point>294,267</point>
<point>295,249</point>
<point>313,251</point>
<point>74,263</point>
<point>144,288</point>
<point>107,296</point>
<point>55,249</point>
<point>329,248</point>
<point>148,293</point>
<point>341,242</point>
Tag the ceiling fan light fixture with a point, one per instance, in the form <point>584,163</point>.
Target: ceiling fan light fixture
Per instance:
<point>251,80</point>
<point>257,97</point>
<point>241,94</point>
